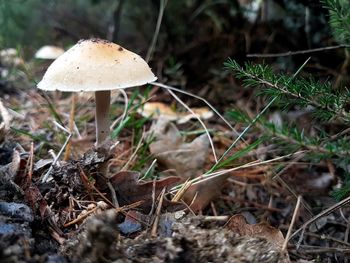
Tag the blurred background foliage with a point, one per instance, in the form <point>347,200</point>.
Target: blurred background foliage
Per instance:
<point>187,24</point>
<point>195,38</point>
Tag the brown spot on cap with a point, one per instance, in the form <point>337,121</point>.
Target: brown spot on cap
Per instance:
<point>120,49</point>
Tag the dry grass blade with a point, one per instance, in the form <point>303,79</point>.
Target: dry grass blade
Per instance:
<point>206,177</point>
<point>46,176</point>
<point>179,194</point>
<point>201,99</point>
<point>200,121</point>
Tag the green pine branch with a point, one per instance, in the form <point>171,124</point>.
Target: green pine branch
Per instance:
<point>328,104</point>
<point>339,18</point>
<point>292,139</point>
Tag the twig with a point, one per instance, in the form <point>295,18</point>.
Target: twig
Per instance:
<point>340,134</point>
<point>296,210</point>
<point>153,196</point>
<point>83,216</point>
<point>319,250</point>
<point>299,52</point>
<point>323,213</point>
<point>31,161</point>
<point>329,238</point>
<point>113,194</point>
<point>159,209</point>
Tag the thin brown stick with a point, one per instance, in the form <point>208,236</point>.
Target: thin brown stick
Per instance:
<point>323,213</point>
<point>299,52</point>
<point>91,186</point>
<point>113,194</point>
<point>320,250</point>
<point>81,217</point>
<point>329,238</point>
<point>296,210</point>
<point>159,209</point>
<point>31,161</point>
<point>119,209</point>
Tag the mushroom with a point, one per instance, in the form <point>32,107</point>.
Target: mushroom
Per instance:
<point>100,66</point>
<point>49,52</point>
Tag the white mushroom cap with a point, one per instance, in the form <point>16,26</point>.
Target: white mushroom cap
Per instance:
<point>49,52</point>
<point>96,65</point>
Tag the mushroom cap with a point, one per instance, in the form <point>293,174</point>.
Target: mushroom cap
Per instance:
<point>95,65</point>
<point>49,52</point>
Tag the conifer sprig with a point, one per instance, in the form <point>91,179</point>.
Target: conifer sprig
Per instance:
<point>328,104</point>
<point>339,18</point>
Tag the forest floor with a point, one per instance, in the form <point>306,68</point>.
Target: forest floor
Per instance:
<point>153,193</point>
<point>161,189</point>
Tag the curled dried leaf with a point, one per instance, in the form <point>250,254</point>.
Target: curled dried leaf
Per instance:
<point>130,190</point>
<point>239,225</point>
<point>170,149</point>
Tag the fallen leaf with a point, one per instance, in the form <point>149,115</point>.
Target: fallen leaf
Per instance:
<point>130,190</point>
<point>198,196</point>
<point>9,172</point>
<point>36,201</point>
<point>158,110</point>
<point>203,113</point>
<point>170,149</point>
<point>239,225</point>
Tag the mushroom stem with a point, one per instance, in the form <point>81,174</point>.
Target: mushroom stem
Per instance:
<point>102,100</point>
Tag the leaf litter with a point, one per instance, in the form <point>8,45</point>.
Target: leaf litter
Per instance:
<point>73,216</point>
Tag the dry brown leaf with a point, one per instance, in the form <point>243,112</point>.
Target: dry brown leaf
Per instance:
<point>9,172</point>
<point>198,196</point>
<point>170,150</point>
<point>274,236</point>
<point>130,190</point>
<point>158,110</point>
<point>238,224</point>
